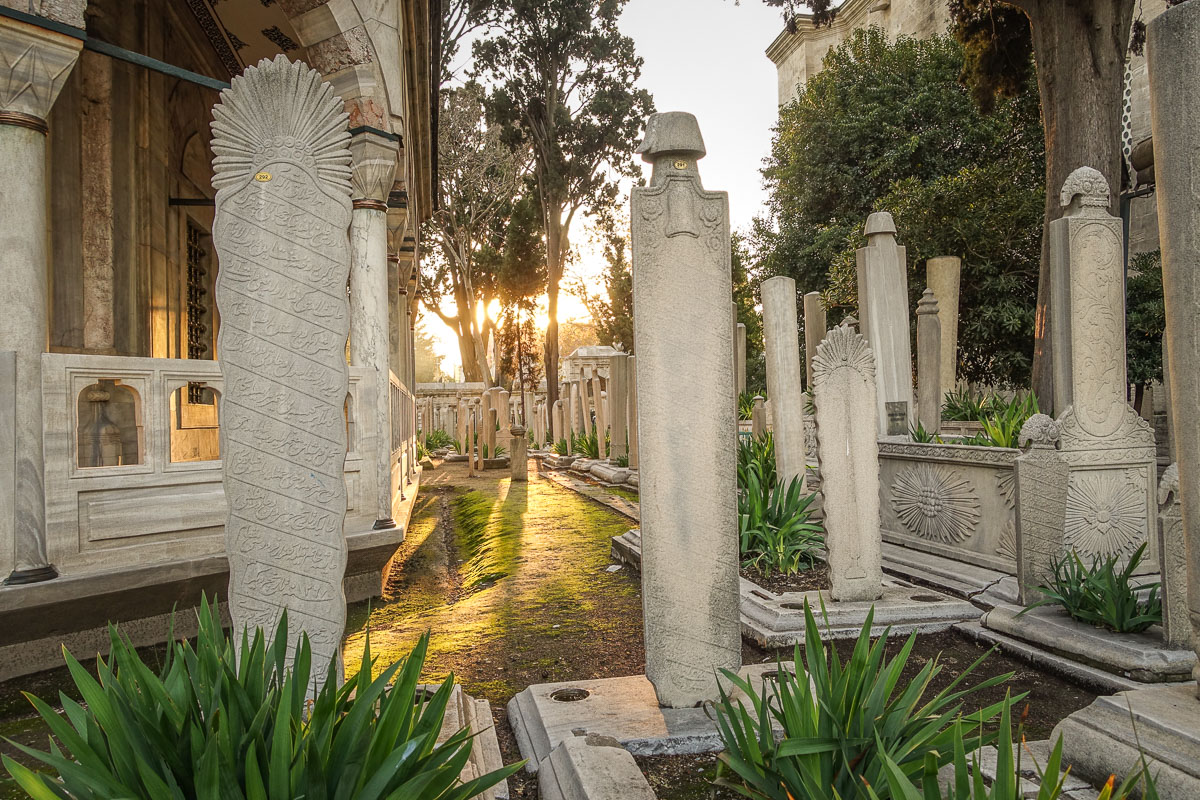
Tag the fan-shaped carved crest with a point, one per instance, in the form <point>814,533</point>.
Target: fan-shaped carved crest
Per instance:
<point>843,347</point>
<point>279,109</point>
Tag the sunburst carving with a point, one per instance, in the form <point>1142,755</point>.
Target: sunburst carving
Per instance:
<point>843,347</point>
<point>935,503</point>
<point>1106,513</point>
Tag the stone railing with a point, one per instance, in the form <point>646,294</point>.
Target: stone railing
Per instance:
<point>955,501</point>
<point>133,471</point>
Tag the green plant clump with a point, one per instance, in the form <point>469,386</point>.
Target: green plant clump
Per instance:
<point>588,444</point>
<point>560,447</point>
<point>746,406</point>
<point>774,531</point>
<point>844,723</point>
<point>1103,594</point>
<point>437,438</point>
<point>212,726</point>
<point>969,783</point>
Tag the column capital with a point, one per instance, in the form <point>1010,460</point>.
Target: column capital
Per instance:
<point>374,167</point>
<point>34,65</point>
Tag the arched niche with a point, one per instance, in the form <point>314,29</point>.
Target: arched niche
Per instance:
<point>195,423</point>
<point>109,429</point>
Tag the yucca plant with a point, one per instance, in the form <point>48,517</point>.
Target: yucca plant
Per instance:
<point>212,725</point>
<point>774,531</point>
<point>758,453</point>
<point>919,434</point>
<point>1103,594</point>
<point>746,406</point>
<point>1002,426</point>
<point>843,722</point>
<point>962,404</point>
<point>438,438</point>
<point>587,444</point>
<point>560,447</point>
<point>969,784</point>
<point>422,450</point>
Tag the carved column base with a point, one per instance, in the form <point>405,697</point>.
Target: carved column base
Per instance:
<point>20,577</point>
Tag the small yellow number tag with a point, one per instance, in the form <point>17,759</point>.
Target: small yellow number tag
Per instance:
<point>262,177</point>
<point>680,164</point>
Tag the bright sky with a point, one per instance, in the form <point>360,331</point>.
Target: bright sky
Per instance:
<point>706,57</point>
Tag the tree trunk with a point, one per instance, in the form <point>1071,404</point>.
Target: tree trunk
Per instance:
<point>470,344</point>
<point>554,261</point>
<point>1080,48</point>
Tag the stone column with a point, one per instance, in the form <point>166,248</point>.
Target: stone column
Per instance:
<point>1040,500</point>
<point>370,343</point>
<point>492,420</point>
<point>844,393</point>
<point>929,363</point>
<point>942,275</point>
<point>634,432</point>
<point>472,431</point>
<point>460,428</point>
<point>36,65</point>
<point>1110,449</point>
<point>585,411</point>
<point>1173,562</point>
<point>758,417</point>
<point>740,350</point>
<point>883,309</point>
<point>504,410</point>
<point>618,403</point>
<point>1173,61</point>
<point>488,420</point>
<point>784,383</point>
<point>601,418</point>
<point>684,338</point>
<point>814,331</point>
<point>559,427</point>
<point>519,458</point>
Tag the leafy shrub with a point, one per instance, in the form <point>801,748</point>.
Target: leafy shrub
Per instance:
<point>422,450</point>
<point>438,438</point>
<point>773,528</point>
<point>560,447</point>
<point>969,780</point>
<point>746,406</point>
<point>588,444</point>
<point>1001,419</point>
<point>922,436</point>
<point>211,726</point>
<point>841,730</point>
<point>964,404</point>
<point>1102,594</point>
<point>757,453</point>
<point>622,461</point>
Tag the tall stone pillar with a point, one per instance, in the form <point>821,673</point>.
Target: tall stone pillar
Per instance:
<point>519,456</point>
<point>472,434</point>
<point>618,403</point>
<point>843,389</point>
<point>929,363</point>
<point>784,383</point>
<point>683,329</point>
<point>601,418</point>
<point>883,309</point>
<point>1173,60</point>
<point>758,417</point>
<point>36,65</point>
<point>942,275</point>
<point>1109,448</point>
<point>460,428</point>
<point>814,331</point>
<point>740,351</point>
<point>558,428</point>
<point>1040,477</point>
<point>585,411</point>
<point>631,371</point>
<point>504,410</point>
<point>370,343</point>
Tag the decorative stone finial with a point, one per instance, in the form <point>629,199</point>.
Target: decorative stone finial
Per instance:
<point>850,322</point>
<point>880,222</point>
<point>672,133</point>
<point>1089,186</point>
<point>1041,430</point>
<point>928,303</point>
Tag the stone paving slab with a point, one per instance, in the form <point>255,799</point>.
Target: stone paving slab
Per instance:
<point>624,711</point>
<point>1142,657</point>
<point>597,493</point>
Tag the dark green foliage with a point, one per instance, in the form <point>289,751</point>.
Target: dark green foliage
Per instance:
<point>1104,594</point>
<point>963,404</point>
<point>560,447</point>
<point>970,784</point>
<point>1001,419</point>
<point>746,406</point>
<point>209,726</point>
<point>840,732</point>
<point>587,444</point>
<point>997,48</point>
<point>746,279</point>
<point>774,531</point>
<point>1145,318</point>
<point>438,438</point>
<point>886,126</point>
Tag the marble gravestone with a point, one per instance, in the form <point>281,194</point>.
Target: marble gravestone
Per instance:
<point>282,174</point>
<point>683,330</point>
<point>1040,496</point>
<point>1109,447</point>
<point>929,363</point>
<point>942,275</point>
<point>883,307</point>
<point>844,394</point>
<point>784,376</point>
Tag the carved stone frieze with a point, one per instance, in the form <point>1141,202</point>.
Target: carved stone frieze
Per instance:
<point>935,503</point>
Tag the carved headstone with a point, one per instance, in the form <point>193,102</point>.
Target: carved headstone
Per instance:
<point>1173,561</point>
<point>942,275</point>
<point>784,377</point>
<point>883,306</point>
<point>633,412</point>
<point>1040,481</point>
<point>1110,493</point>
<point>618,404</point>
<point>758,417</point>
<point>282,174</point>
<point>814,332</point>
<point>929,363</point>
<point>683,329</point>
<point>844,390</point>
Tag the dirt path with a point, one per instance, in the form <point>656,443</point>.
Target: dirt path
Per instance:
<point>512,581</point>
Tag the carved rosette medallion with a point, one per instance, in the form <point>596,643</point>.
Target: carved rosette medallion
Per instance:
<point>935,503</point>
<point>1106,512</point>
<point>282,175</point>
